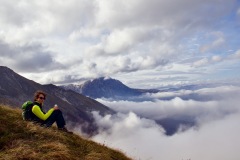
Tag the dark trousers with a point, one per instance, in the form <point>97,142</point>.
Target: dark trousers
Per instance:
<point>57,117</point>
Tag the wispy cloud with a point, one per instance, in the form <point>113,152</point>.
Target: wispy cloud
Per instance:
<point>33,55</point>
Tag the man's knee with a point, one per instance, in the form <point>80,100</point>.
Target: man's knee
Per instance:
<point>58,111</point>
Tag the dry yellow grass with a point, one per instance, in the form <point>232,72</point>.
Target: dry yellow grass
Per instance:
<point>24,140</point>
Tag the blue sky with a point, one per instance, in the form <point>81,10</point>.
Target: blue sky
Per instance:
<point>145,44</point>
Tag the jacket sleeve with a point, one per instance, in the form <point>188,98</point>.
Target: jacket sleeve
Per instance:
<point>37,111</point>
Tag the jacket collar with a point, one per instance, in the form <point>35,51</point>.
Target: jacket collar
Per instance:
<point>37,103</point>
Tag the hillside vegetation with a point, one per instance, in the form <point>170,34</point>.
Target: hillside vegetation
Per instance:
<point>24,140</point>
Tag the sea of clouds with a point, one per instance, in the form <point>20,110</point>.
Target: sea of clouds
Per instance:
<point>213,135</point>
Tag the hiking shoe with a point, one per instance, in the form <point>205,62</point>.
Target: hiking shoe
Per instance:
<point>65,130</point>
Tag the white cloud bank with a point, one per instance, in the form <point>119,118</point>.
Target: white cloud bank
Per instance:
<point>141,139</point>
<point>215,136</point>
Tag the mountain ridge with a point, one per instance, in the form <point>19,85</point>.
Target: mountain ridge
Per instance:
<point>106,87</point>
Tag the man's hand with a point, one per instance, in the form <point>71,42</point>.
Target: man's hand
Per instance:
<point>55,107</point>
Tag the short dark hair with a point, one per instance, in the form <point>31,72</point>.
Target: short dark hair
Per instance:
<point>37,93</point>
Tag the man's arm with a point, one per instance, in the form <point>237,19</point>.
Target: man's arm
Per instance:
<point>37,111</point>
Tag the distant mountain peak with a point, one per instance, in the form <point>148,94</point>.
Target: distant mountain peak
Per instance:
<point>106,87</point>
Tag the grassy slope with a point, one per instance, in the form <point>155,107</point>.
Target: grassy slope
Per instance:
<point>24,140</point>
